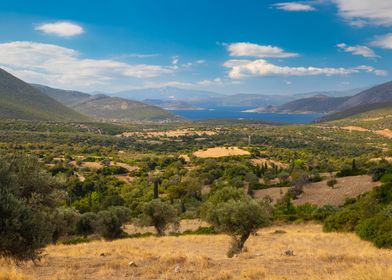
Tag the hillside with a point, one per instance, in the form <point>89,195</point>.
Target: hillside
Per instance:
<point>317,104</point>
<point>104,107</point>
<point>377,97</point>
<point>19,100</point>
<point>378,94</point>
<point>66,97</point>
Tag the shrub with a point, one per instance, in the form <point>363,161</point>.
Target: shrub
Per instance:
<point>65,222</point>
<point>109,225</point>
<point>320,214</point>
<point>87,224</point>
<point>230,211</point>
<point>28,197</point>
<point>123,213</point>
<point>331,183</point>
<point>377,229</point>
<point>159,215</point>
<point>305,211</point>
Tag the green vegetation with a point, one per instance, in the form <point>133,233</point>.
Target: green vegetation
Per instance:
<point>234,213</point>
<point>369,215</point>
<point>19,100</point>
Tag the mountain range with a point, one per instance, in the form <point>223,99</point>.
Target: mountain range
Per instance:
<point>108,108</point>
<point>19,100</point>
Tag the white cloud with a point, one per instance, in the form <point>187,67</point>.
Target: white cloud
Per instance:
<point>63,67</point>
<point>361,12</point>
<point>358,50</point>
<point>214,82</point>
<point>383,41</point>
<point>294,7</point>
<point>253,50</point>
<point>61,28</point>
<point>138,55</point>
<point>200,61</point>
<point>247,68</point>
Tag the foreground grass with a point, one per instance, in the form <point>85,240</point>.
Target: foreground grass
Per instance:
<point>317,255</point>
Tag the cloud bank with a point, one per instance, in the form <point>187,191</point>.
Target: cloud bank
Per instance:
<point>63,67</point>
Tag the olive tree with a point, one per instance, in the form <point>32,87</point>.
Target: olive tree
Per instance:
<point>28,200</point>
<point>233,212</point>
<point>159,215</point>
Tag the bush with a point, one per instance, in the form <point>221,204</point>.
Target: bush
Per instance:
<point>324,212</point>
<point>87,224</point>
<point>109,225</point>
<point>230,211</point>
<point>65,222</point>
<point>159,215</point>
<point>28,197</point>
<point>377,229</point>
<point>343,221</point>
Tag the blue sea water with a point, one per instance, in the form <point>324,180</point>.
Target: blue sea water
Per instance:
<point>236,113</point>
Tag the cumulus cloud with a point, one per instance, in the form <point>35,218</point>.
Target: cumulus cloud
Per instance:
<point>361,12</point>
<point>247,68</point>
<point>214,82</point>
<point>384,41</point>
<point>358,50</point>
<point>61,28</point>
<point>253,50</point>
<point>294,7</point>
<point>63,67</point>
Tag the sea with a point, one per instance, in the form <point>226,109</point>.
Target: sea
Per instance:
<point>238,113</point>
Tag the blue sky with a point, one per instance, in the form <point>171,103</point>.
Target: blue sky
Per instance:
<point>231,46</point>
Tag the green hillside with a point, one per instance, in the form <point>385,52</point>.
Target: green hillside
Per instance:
<point>19,100</point>
<point>103,107</point>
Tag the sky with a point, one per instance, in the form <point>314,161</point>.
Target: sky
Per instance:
<point>226,46</point>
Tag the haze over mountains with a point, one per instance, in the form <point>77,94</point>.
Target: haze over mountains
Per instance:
<point>19,100</point>
<point>37,102</point>
<point>104,107</point>
<point>177,98</point>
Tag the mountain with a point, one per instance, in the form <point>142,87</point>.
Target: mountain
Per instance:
<point>167,93</point>
<point>373,98</point>
<point>19,100</point>
<point>242,100</point>
<point>66,97</point>
<point>105,107</point>
<point>377,94</point>
<point>357,110</point>
<point>319,104</point>
<point>170,104</point>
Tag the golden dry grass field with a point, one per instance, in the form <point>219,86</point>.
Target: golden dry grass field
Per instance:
<point>221,152</point>
<point>317,255</point>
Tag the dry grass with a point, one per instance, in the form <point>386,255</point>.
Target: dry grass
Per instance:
<point>385,132</point>
<point>12,274</point>
<point>269,162</point>
<point>168,133</point>
<point>221,152</point>
<point>317,255</point>
<point>320,194</point>
<point>355,128</point>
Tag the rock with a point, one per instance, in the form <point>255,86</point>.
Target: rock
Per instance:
<point>102,254</point>
<point>177,269</point>
<point>289,253</point>
<point>132,264</point>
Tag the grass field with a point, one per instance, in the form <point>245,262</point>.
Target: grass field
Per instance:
<point>317,255</point>
<point>221,152</point>
<point>320,194</point>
